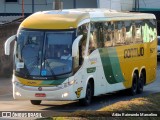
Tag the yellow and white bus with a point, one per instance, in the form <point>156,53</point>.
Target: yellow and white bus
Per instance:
<point>80,53</point>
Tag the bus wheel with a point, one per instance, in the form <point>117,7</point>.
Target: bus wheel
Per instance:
<point>88,98</point>
<point>140,83</point>
<point>133,89</point>
<point>36,102</point>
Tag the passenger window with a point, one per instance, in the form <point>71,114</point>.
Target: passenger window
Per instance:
<point>100,35</point>
<point>93,38</point>
<point>152,29</point>
<point>145,31</point>
<point>138,32</point>
<point>107,34</point>
<point>123,35</point>
<point>133,32</point>
<point>82,30</point>
<point>120,33</point>
<point>128,37</point>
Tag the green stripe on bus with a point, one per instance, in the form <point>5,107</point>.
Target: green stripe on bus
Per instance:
<point>111,65</point>
<point>91,70</point>
<point>53,82</point>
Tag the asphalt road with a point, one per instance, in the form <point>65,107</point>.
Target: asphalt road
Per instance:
<point>7,103</point>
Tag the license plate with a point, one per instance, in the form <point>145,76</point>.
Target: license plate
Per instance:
<point>40,95</point>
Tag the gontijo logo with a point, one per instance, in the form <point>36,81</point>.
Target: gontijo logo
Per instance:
<point>134,52</point>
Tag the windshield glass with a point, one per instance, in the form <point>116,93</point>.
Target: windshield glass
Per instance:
<point>43,53</point>
<point>29,52</point>
<point>57,57</point>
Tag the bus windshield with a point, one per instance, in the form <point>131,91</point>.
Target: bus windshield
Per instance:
<point>44,53</point>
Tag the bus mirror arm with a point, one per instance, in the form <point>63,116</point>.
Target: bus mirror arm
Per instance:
<point>7,44</point>
<point>75,46</point>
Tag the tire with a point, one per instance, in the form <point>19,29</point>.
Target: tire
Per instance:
<point>133,89</point>
<point>36,102</point>
<point>88,98</point>
<point>140,83</point>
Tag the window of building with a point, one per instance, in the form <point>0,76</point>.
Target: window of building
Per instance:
<point>11,0</point>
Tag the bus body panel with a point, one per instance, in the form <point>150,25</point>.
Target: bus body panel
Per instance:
<point>94,67</point>
<point>147,60</point>
<point>111,68</point>
<point>57,21</point>
<point>53,92</point>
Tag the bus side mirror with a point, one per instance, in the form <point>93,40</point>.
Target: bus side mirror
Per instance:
<point>7,44</point>
<point>75,46</point>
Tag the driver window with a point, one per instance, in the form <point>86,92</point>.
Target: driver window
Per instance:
<point>82,30</point>
<point>66,54</point>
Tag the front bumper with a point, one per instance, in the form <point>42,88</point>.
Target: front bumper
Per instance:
<point>21,92</point>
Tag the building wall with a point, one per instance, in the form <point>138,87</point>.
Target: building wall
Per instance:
<point>68,4</point>
<point>41,5</point>
<point>127,5</point>
<point>16,7</point>
<point>110,4</point>
<point>2,6</point>
<point>149,5</point>
<point>120,5</point>
<point>87,4</point>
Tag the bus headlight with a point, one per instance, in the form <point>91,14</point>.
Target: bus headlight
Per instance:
<point>18,94</point>
<point>64,85</point>
<point>64,95</point>
<point>71,82</point>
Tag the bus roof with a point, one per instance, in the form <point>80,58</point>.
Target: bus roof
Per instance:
<point>72,18</point>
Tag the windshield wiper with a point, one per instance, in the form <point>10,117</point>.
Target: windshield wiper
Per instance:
<point>52,72</point>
